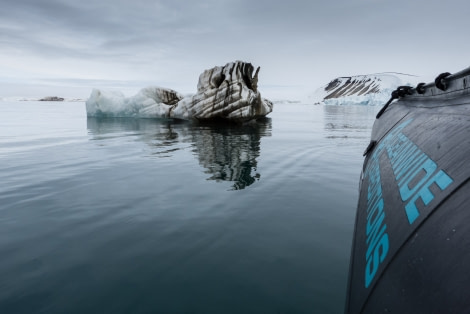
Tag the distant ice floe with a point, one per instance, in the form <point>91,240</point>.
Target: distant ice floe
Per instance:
<point>366,90</point>
<point>224,92</point>
<point>45,99</point>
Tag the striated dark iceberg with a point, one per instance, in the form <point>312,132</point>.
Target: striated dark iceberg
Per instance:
<point>224,92</point>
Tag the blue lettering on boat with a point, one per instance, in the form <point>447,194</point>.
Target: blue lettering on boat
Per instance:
<point>415,172</point>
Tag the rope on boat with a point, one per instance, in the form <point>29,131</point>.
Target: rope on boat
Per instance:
<point>402,91</point>
<point>440,82</point>
<point>420,88</point>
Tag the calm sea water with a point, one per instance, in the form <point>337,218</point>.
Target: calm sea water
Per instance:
<point>151,216</point>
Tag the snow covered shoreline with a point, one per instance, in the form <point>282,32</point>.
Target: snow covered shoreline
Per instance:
<point>362,90</point>
<point>366,90</point>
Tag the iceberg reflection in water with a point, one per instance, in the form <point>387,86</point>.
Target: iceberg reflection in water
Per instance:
<point>228,152</point>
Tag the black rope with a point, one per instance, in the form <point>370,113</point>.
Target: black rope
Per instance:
<point>369,148</point>
<point>394,96</point>
<point>401,91</point>
<point>440,81</point>
<point>420,88</point>
<point>404,90</point>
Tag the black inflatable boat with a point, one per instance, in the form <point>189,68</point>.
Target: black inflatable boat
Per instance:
<point>411,246</point>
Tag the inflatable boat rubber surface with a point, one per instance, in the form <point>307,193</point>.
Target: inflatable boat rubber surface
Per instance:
<point>411,246</point>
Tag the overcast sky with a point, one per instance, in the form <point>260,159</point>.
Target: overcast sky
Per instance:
<point>70,46</point>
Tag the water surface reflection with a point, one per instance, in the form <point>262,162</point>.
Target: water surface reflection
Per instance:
<point>227,152</point>
<point>354,122</point>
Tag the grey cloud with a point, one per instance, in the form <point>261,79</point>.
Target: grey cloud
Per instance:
<point>288,38</point>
